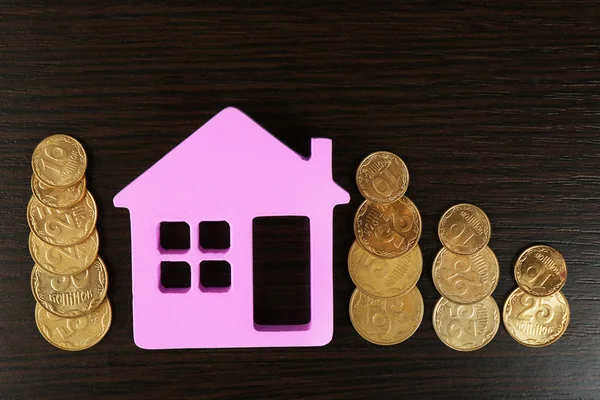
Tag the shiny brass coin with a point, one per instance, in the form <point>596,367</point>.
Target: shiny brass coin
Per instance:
<point>382,177</point>
<point>466,327</point>
<point>59,161</point>
<point>57,197</point>
<point>384,277</point>
<point>68,260</point>
<point>74,334</point>
<point>70,296</point>
<point>541,270</point>
<point>62,226</point>
<point>536,321</point>
<point>464,229</point>
<point>466,279</point>
<point>386,321</point>
<point>388,230</point>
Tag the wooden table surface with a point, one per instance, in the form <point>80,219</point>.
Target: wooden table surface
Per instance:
<point>495,104</point>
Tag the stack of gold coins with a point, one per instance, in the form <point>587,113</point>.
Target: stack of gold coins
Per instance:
<point>537,314</point>
<point>385,261</point>
<point>68,280</point>
<point>465,272</point>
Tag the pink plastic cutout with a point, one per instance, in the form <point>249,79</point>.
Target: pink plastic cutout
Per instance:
<point>233,170</point>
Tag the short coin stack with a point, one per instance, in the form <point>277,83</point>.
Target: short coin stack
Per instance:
<point>385,261</point>
<point>537,314</point>
<point>69,280</point>
<point>465,272</point>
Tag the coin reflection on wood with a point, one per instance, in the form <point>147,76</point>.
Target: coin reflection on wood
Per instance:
<point>386,321</point>
<point>384,277</point>
<point>466,327</point>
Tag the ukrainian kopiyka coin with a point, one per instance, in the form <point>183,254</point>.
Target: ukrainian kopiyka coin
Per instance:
<point>384,277</point>
<point>382,177</point>
<point>466,279</point>
<point>466,327</point>
<point>386,321</point>
<point>388,230</point>
<point>55,196</point>
<point>59,161</point>
<point>464,229</point>
<point>69,260</point>
<point>74,334</point>
<point>541,270</point>
<point>536,321</point>
<point>62,226</point>
<point>70,296</point>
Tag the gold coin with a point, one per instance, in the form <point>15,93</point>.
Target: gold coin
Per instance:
<point>74,334</point>
<point>59,161</point>
<point>386,321</point>
<point>466,327</point>
<point>62,226</point>
<point>536,321</point>
<point>68,260</point>
<point>382,177</point>
<point>70,295</point>
<point>541,271</point>
<point>464,229</point>
<point>57,197</point>
<point>384,277</point>
<point>466,279</point>
<point>388,230</point>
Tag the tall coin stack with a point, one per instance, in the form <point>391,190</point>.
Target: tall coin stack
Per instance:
<point>69,280</point>
<point>537,314</point>
<point>385,261</point>
<point>465,272</point>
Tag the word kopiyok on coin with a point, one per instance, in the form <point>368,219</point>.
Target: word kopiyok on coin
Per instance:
<point>232,171</point>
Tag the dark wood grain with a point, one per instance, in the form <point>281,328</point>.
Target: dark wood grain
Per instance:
<point>495,103</point>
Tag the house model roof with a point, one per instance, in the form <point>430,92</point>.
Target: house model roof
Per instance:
<point>229,160</point>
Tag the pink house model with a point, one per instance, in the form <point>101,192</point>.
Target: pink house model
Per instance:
<point>232,170</point>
